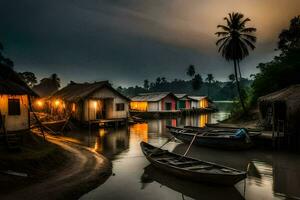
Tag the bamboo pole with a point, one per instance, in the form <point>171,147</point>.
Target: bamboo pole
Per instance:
<point>37,119</point>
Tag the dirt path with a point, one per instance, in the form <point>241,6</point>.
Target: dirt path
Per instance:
<point>84,170</point>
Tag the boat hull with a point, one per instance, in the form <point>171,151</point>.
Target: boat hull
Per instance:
<point>228,143</point>
<point>210,178</point>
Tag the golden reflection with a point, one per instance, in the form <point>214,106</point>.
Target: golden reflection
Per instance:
<point>203,119</point>
<point>140,130</point>
<point>98,145</point>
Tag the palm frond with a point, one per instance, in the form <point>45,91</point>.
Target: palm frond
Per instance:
<point>222,33</point>
<point>223,44</point>
<point>225,28</point>
<point>249,37</point>
<point>242,24</point>
<point>248,30</point>
<point>220,40</point>
<point>249,43</point>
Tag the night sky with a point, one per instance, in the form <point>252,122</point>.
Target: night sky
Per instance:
<point>127,41</point>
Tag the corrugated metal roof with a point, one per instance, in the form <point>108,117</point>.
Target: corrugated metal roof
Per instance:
<point>77,91</point>
<point>197,98</point>
<point>155,96</point>
<point>179,96</point>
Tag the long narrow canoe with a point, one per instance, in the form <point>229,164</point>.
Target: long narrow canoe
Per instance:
<point>190,168</point>
<point>231,127</point>
<point>223,140</point>
<point>202,130</point>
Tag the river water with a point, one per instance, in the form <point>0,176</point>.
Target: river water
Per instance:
<point>271,175</point>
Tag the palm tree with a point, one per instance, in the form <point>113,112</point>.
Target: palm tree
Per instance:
<point>55,80</point>
<point>235,41</point>
<point>191,71</point>
<point>231,78</point>
<point>209,79</point>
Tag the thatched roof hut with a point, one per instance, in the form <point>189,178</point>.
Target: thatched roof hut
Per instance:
<point>283,106</point>
<point>14,101</point>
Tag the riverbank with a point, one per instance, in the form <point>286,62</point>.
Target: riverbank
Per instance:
<point>59,169</point>
<point>250,120</point>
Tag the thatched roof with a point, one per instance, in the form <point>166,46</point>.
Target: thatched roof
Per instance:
<point>290,94</point>
<point>12,84</point>
<point>78,91</point>
<point>155,96</point>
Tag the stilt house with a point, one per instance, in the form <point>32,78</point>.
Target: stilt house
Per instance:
<point>14,102</point>
<point>90,101</point>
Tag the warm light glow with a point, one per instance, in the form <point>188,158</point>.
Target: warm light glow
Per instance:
<point>73,107</point>
<point>139,105</point>
<point>95,104</point>
<point>56,102</point>
<point>39,103</point>
<point>203,103</point>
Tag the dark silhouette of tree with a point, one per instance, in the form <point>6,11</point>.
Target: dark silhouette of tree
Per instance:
<point>47,86</point>
<point>290,38</point>
<point>4,60</point>
<point>146,84</point>
<point>191,71</point>
<point>55,80</point>
<point>158,81</point>
<point>29,78</point>
<point>209,79</point>
<point>235,42</point>
<point>231,78</point>
<point>197,82</point>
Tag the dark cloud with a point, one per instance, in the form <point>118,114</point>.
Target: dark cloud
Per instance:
<point>127,41</point>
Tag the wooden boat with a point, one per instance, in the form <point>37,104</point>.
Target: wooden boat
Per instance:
<point>221,139</point>
<point>190,168</point>
<point>226,130</point>
<point>232,127</point>
<point>55,125</point>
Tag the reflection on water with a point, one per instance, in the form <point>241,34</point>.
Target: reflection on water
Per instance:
<point>271,175</point>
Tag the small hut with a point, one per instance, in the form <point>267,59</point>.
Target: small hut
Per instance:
<point>14,101</point>
<point>90,102</point>
<point>280,110</point>
<point>156,101</point>
<point>199,101</point>
<point>184,102</point>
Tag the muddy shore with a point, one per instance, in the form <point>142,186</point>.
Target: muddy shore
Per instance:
<point>66,171</point>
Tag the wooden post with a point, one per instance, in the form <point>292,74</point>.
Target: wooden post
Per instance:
<point>89,121</point>
<point>37,119</point>
<point>273,126</point>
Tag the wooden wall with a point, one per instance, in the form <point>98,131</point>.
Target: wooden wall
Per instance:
<point>15,122</point>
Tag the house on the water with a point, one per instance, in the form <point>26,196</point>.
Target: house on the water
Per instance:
<point>14,102</point>
<point>280,112</point>
<point>199,102</point>
<point>87,102</point>
<point>154,102</point>
<point>184,102</point>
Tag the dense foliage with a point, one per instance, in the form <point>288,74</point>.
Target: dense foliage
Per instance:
<point>283,70</point>
<point>218,90</point>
